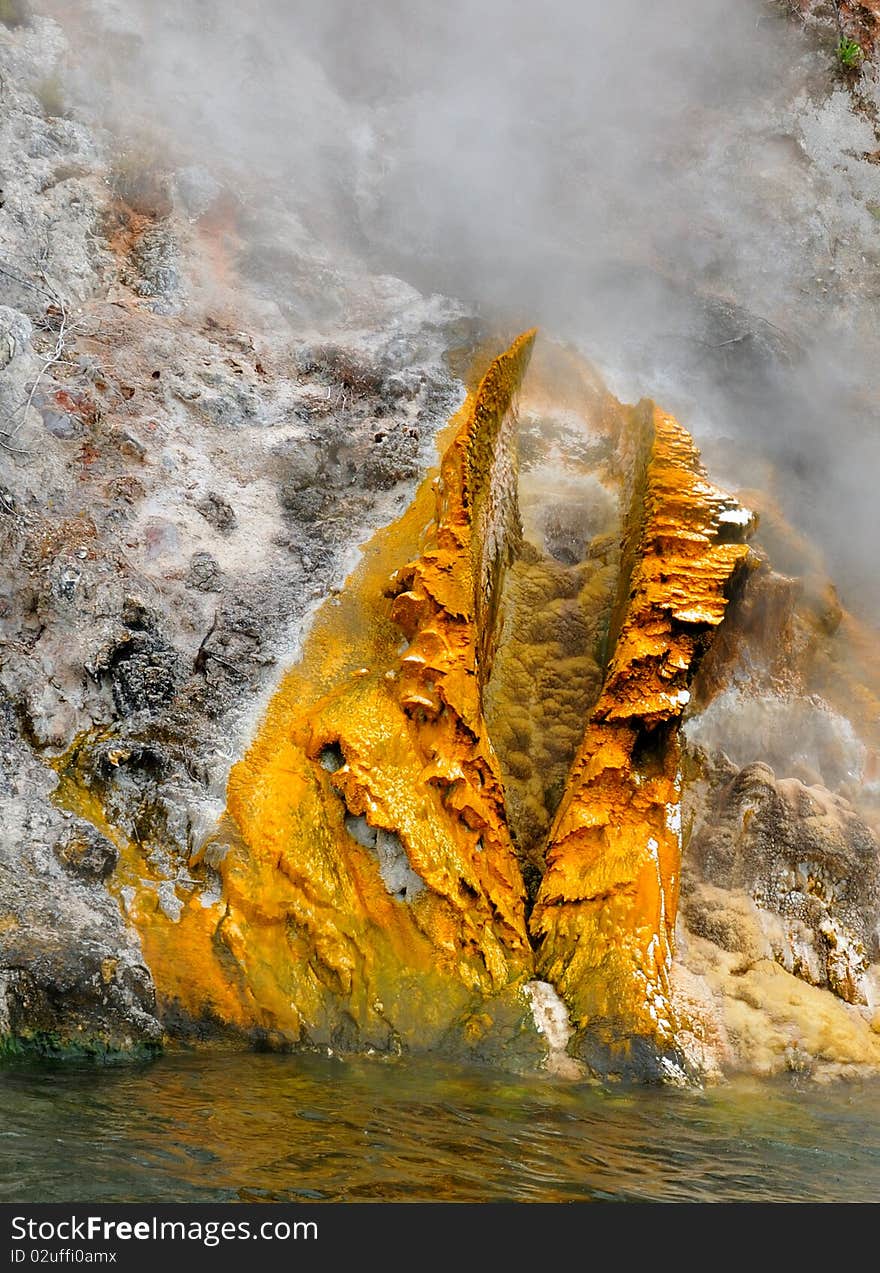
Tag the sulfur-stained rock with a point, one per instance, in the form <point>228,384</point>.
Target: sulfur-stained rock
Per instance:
<point>85,852</point>
<point>72,974</point>
<point>726,916</point>
<point>604,919</point>
<point>367,889</point>
<point>557,596</point>
<point>459,825</point>
<point>369,884</point>
<point>775,1022</point>
<point>208,410</point>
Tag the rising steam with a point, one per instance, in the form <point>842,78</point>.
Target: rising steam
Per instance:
<point>680,190</point>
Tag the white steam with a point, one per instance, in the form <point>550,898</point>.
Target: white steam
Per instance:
<point>680,189</point>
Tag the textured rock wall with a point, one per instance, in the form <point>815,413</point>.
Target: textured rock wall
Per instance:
<point>605,914</point>
<point>362,890</point>
<point>472,774</point>
<point>778,936</point>
<point>201,415</point>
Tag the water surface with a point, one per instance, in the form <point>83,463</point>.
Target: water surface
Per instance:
<point>292,1128</point>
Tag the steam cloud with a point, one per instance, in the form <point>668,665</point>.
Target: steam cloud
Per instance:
<point>680,190</point>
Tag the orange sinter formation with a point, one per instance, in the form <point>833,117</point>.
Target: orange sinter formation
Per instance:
<point>605,914</point>
<point>365,888</point>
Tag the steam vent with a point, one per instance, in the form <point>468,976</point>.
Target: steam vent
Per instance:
<point>460,823</point>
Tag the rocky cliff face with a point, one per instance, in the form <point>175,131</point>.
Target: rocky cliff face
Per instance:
<point>183,478</point>
<point>325,722</point>
<point>363,888</point>
<point>368,887</point>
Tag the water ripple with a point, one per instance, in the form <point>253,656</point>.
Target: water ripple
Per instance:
<point>258,1127</point>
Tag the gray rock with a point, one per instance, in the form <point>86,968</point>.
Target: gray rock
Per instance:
<point>72,977</point>
<point>140,665</point>
<point>397,874</point>
<point>61,424</point>
<point>809,864</point>
<point>218,512</point>
<point>204,573</point>
<point>15,335</point>
<point>85,852</point>
<point>359,829</point>
<point>156,258</point>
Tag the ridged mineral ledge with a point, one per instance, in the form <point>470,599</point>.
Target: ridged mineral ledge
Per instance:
<point>373,883</point>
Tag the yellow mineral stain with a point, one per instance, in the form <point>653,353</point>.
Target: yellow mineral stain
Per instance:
<point>363,887</point>
<point>369,890</point>
<point>181,955</point>
<point>575,461</point>
<point>605,913</point>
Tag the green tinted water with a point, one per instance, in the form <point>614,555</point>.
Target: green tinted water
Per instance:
<point>252,1127</point>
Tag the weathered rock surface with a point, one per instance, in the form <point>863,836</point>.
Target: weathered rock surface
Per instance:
<point>810,865</point>
<point>459,818</point>
<point>72,975</point>
<point>363,889</point>
<point>780,878</point>
<point>162,430</point>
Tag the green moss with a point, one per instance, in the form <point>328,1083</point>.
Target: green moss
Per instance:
<point>49,1045</point>
<point>849,53</point>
